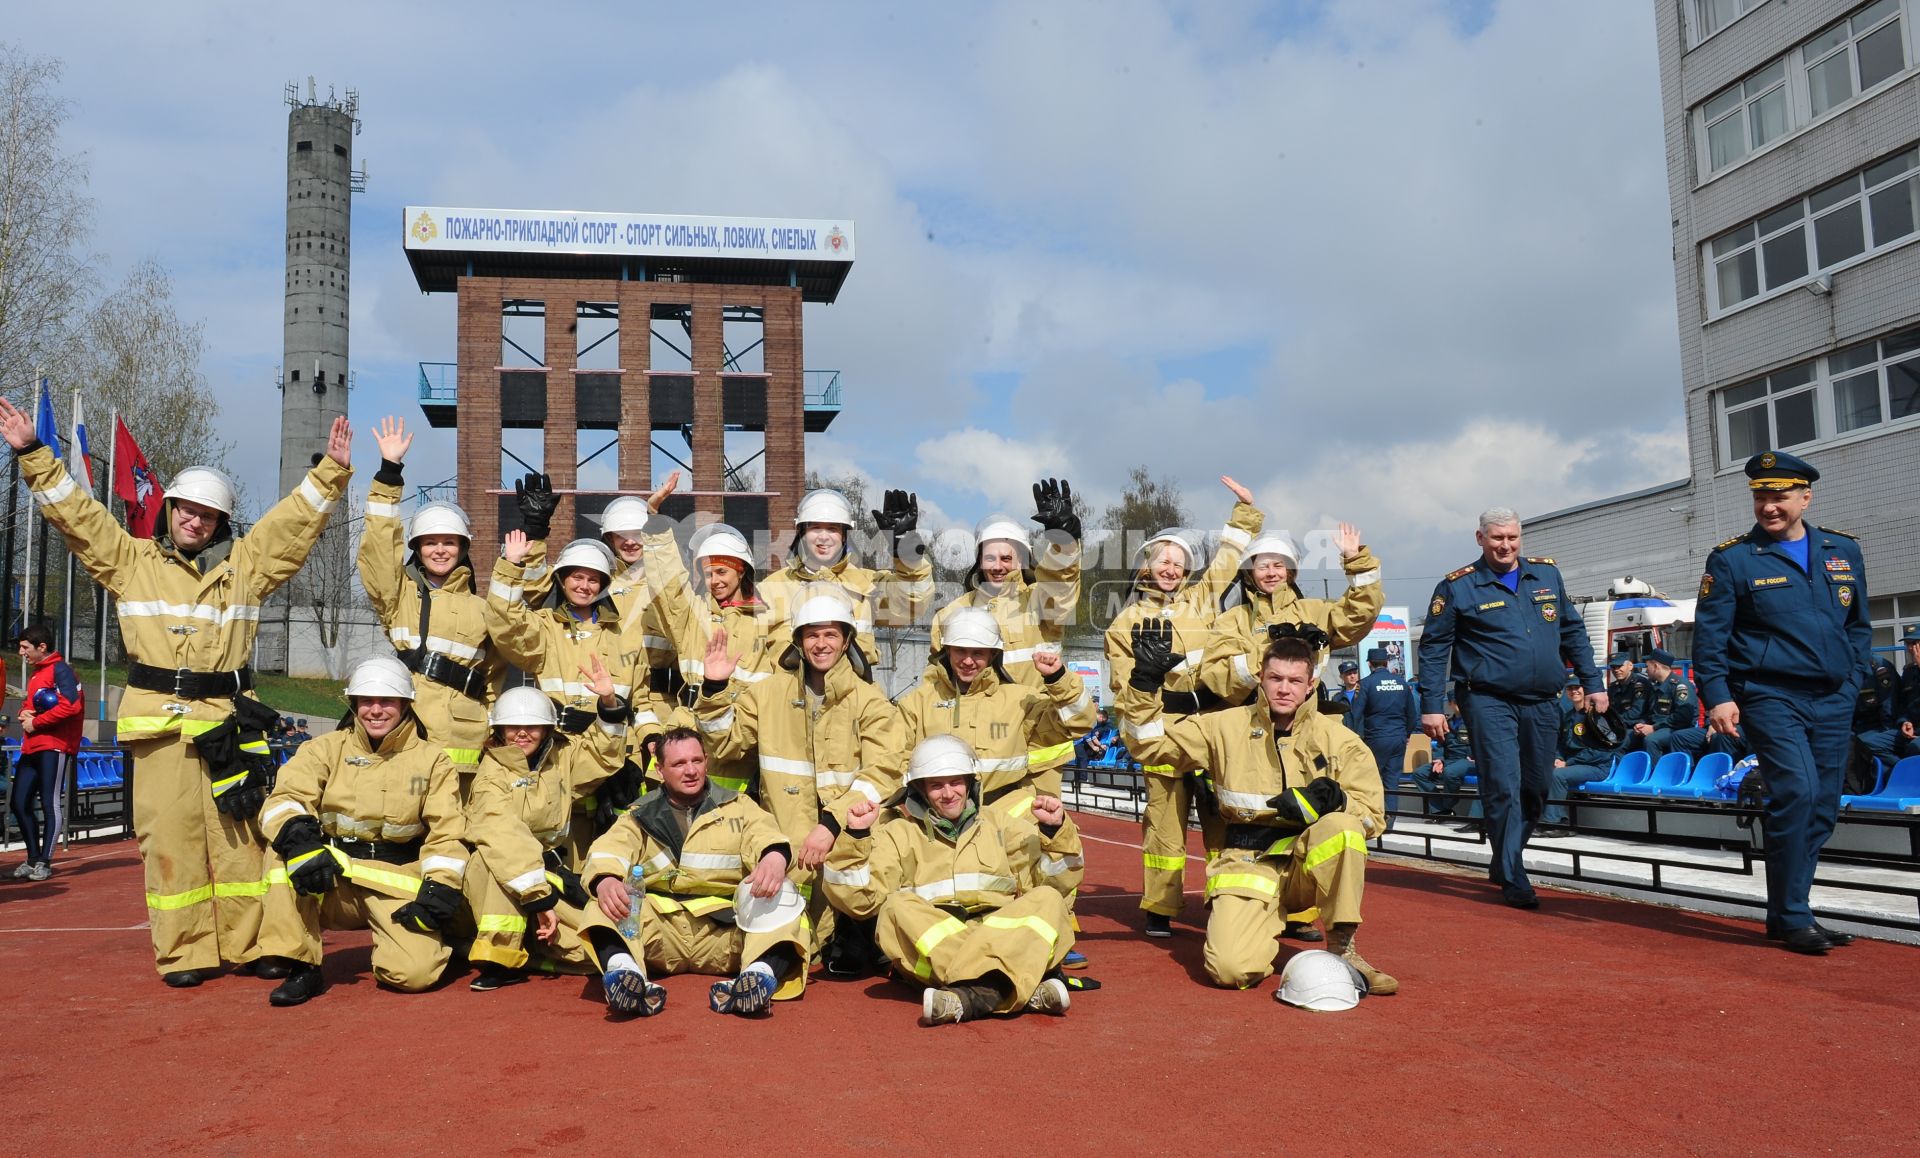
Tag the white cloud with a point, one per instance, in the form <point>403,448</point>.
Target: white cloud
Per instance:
<point>1000,468</point>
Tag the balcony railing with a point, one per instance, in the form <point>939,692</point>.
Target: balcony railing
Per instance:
<point>821,390</point>
<point>437,381</point>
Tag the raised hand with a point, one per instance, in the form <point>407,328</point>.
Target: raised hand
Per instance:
<point>1049,811</point>
<point>1348,540</point>
<point>599,680</point>
<point>536,501</point>
<point>860,817</point>
<point>1047,662</point>
<point>1153,654</point>
<point>661,492</point>
<point>718,665</point>
<point>340,441</point>
<point>1053,506</point>
<point>1239,492</point>
<point>16,427</point>
<point>515,546</point>
<point>392,438</point>
<point>899,513</point>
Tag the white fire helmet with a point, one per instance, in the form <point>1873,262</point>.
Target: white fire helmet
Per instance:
<point>438,519</point>
<point>818,609</point>
<point>625,515</point>
<point>720,541</point>
<point>1320,981</point>
<point>206,486</point>
<point>591,554</point>
<point>1271,545</point>
<point>522,705</point>
<point>824,506</point>
<point>1004,527</point>
<point>380,675</point>
<point>972,627</point>
<point>938,756</point>
<point>1188,541</point>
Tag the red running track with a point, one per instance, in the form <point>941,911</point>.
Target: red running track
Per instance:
<point>1593,1026</point>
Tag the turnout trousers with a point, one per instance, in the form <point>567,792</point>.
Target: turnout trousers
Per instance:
<point>206,876</point>
<point>503,932</point>
<point>1250,892</point>
<point>402,958</point>
<point>1022,941</point>
<point>1801,739</point>
<point>1513,744</point>
<point>697,935</point>
<point>1163,851</point>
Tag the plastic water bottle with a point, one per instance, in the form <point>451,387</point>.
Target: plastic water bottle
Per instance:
<point>636,888</point>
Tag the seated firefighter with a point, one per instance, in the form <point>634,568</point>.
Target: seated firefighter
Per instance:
<point>971,901</point>
<point>520,821</point>
<point>366,821</point>
<point>685,850</point>
<point>1299,792</point>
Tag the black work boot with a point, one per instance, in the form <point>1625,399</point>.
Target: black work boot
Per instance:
<point>301,986</point>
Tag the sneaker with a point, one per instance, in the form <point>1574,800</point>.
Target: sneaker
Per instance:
<point>40,871</point>
<point>23,871</point>
<point>1159,925</point>
<point>492,977</point>
<point>747,994</point>
<point>1074,959</point>
<point>941,1007</point>
<point>1050,997</point>
<point>301,986</point>
<point>628,992</point>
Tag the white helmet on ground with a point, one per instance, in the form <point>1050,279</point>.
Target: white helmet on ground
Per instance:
<point>720,541</point>
<point>380,675</point>
<point>438,519</point>
<point>626,515</point>
<point>1003,527</point>
<point>972,627</point>
<point>589,553</point>
<point>1318,980</point>
<point>938,756</point>
<point>522,705</point>
<point>206,486</point>
<point>818,609</point>
<point>1188,542</point>
<point>824,506</point>
<point>1271,545</point>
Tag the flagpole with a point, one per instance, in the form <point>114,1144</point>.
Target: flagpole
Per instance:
<point>26,577</point>
<point>66,627</point>
<point>100,630</point>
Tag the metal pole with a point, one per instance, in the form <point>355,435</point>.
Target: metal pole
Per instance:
<point>26,574</point>
<point>101,597</point>
<point>13,519</point>
<point>66,608</point>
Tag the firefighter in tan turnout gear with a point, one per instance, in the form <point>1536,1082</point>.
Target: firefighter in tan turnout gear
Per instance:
<point>971,902</point>
<point>1300,794</point>
<point>189,605</point>
<point>686,850</point>
<point>1165,588</point>
<point>821,561</point>
<point>419,578</point>
<point>365,825</point>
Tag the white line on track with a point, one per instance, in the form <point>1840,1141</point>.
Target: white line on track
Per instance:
<point>1131,845</point>
<point>82,929</point>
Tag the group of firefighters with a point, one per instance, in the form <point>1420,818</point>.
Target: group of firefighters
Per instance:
<point>692,770</point>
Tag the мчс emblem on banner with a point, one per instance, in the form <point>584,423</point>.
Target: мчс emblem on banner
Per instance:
<point>836,240</point>
<point>424,230</point>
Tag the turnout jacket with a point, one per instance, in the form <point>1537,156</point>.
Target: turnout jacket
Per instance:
<point>724,843</point>
<point>200,614</point>
<point>994,859</point>
<point>1029,613</point>
<point>1192,609</point>
<point>1250,760</point>
<point>399,790</point>
<point>1231,669</point>
<point>518,812</point>
<point>551,645</point>
<point>896,598</point>
<point>1002,721</point>
<point>755,636</point>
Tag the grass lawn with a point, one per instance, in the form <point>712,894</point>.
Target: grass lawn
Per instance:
<point>314,699</point>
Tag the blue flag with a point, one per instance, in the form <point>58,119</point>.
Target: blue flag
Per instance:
<point>45,427</point>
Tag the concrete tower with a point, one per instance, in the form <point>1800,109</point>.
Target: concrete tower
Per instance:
<point>320,182</point>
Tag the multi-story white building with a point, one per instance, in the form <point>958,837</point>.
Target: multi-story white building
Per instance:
<point>1793,165</point>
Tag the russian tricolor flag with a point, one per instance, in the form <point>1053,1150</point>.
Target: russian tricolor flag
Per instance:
<point>79,448</point>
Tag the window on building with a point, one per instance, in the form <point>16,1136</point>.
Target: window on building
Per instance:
<point>1860,214</point>
<point>1707,17</point>
<point>303,146</point>
<point>1859,387</point>
<point>1849,59</point>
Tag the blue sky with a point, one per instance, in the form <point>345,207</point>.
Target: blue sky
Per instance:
<point>1388,262</point>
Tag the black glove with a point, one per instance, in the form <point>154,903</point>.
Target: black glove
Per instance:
<point>1053,506</point>
<point>1153,654</point>
<point>310,864</point>
<point>617,794</point>
<point>899,513</point>
<point>1306,633</point>
<point>431,911</point>
<point>1752,793</point>
<point>536,500</point>
<point>1200,787</point>
<point>567,884</point>
<point>1303,806</point>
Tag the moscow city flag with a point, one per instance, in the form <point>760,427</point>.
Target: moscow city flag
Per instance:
<point>133,481</point>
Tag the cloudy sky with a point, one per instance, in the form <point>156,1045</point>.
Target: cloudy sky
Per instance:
<point>1390,261</point>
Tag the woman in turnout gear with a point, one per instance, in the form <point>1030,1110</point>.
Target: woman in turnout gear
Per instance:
<point>1032,600</point>
<point>189,606</point>
<point>520,821</point>
<point>822,560</point>
<point>970,902</point>
<point>727,603</point>
<point>553,644</point>
<point>419,578</point>
<point>1300,795</point>
<point>825,736</point>
<point>365,825</point>
<point>1167,588</point>
<point>691,843</point>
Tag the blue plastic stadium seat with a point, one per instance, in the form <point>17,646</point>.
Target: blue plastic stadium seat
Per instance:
<point>1700,784</point>
<point>1632,768</point>
<point>1670,771</point>
<point>1901,791</point>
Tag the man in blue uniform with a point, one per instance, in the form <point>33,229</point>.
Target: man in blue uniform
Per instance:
<point>1342,697</point>
<point>1781,646</point>
<point>1505,629</point>
<point>1876,727</point>
<point>1452,764</point>
<point>1588,744</point>
<point>1630,693</point>
<point>1674,708</point>
<point>1385,714</point>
